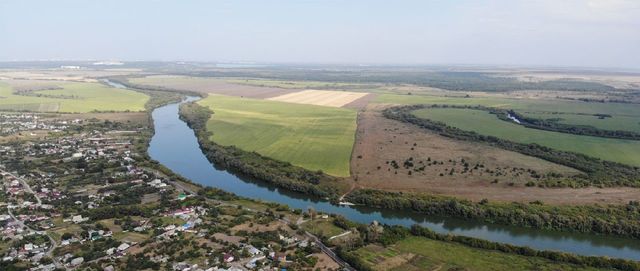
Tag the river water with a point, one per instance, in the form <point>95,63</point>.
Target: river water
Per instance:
<point>175,146</point>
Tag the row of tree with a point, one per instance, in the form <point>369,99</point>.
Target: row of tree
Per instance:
<point>392,234</point>
<point>450,80</point>
<point>612,220</point>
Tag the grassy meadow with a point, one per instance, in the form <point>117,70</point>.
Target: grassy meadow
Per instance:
<point>625,116</point>
<point>482,122</point>
<point>313,137</point>
<point>73,97</point>
<point>416,253</point>
<point>618,122</point>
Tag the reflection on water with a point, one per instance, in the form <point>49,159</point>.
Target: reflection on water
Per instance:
<point>175,146</point>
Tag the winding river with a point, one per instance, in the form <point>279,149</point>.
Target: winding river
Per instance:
<point>175,146</point>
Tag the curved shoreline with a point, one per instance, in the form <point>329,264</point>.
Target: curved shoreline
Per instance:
<point>175,146</point>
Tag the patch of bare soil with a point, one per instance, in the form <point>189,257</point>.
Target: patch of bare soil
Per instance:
<point>228,238</point>
<point>362,102</point>
<point>391,155</point>
<point>325,262</point>
<point>254,227</point>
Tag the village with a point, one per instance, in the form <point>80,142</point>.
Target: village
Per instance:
<point>15,123</point>
<point>91,198</point>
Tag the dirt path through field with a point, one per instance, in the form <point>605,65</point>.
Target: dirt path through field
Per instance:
<point>380,141</point>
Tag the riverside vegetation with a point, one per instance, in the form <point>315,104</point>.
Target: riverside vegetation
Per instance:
<point>612,220</point>
<point>252,164</point>
<point>394,235</point>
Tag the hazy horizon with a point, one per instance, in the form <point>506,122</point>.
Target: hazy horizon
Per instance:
<point>577,33</point>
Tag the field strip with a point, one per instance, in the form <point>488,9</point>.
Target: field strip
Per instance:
<point>320,97</point>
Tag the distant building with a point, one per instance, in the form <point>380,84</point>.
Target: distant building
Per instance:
<point>227,257</point>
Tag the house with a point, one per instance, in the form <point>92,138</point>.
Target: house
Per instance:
<point>95,235</point>
<point>28,247</point>
<point>280,257</point>
<point>79,219</point>
<point>123,247</point>
<point>227,257</point>
<point>157,183</point>
<point>110,251</point>
<point>288,240</point>
<point>252,263</point>
<point>253,251</point>
<point>77,261</point>
<point>182,211</point>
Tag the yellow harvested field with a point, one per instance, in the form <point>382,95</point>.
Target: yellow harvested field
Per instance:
<point>320,97</point>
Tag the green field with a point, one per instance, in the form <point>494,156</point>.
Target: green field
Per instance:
<point>322,227</point>
<point>313,137</point>
<point>416,253</point>
<point>482,122</point>
<point>625,116</point>
<point>618,122</point>
<point>74,97</point>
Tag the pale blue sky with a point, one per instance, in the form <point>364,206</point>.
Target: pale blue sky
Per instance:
<point>604,33</point>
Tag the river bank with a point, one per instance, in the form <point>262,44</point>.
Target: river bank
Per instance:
<point>175,146</point>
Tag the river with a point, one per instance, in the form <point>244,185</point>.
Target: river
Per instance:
<point>175,146</point>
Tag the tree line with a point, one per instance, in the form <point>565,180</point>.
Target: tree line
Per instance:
<point>449,80</point>
<point>392,234</point>
<point>611,220</point>
<point>553,124</point>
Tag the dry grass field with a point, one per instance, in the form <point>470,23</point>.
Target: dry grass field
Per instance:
<point>320,97</point>
<point>379,141</point>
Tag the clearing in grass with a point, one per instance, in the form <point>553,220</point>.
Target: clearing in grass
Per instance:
<point>312,137</point>
<point>484,123</point>
<point>73,97</point>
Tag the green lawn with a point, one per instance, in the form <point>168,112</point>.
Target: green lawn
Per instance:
<point>482,122</point>
<point>625,116</point>
<point>74,97</point>
<point>313,137</point>
<point>416,253</point>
